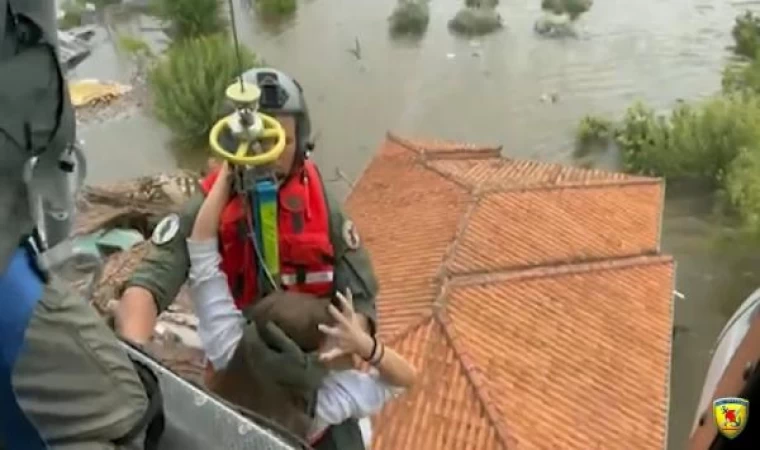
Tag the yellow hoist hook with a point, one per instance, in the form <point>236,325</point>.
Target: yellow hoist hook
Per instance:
<point>249,127</point>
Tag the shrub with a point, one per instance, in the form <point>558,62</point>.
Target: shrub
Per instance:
<point>594,129</point>
<point>189,82</point>
<point>746,33</point>
<point>695,141</point>
<point>573,8</point>
<point>742,77</point>
<point>716,141</point>
<point>593,134</point>
<point>190,18</point>
<point>742,187</point>
<point>276,8</point>
<point>72,15</point>
<point>409,18</point>
<point>475,21</point>
<point>481,3</point>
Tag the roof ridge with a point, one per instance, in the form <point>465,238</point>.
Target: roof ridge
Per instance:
<point>560,268</point>
<point>444,274</point>
<point>562,185</point>
<point>405,143</point>
<point>475,377</point>
<point>459,150</point>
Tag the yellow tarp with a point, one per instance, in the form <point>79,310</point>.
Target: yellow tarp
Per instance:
<point>86,92</point>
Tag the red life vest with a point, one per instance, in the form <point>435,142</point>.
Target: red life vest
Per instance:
<point>306,251</point>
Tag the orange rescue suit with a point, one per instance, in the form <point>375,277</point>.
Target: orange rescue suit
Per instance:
<point>306,251</point>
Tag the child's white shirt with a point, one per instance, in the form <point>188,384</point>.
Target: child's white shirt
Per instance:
<point>343,395</point>
<point>350,394</point>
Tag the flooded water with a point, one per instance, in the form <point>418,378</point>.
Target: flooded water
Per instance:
<point>488,90</point>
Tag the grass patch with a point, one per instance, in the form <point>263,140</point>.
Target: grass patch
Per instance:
<point>187,85</point>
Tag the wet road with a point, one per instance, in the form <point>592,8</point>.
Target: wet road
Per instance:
<point>487,90</point>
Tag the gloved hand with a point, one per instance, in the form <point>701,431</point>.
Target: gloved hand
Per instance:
<point>272,350</point>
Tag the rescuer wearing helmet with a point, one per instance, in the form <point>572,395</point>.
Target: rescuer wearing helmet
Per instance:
<point>65,380</point>
<point>320,253</point>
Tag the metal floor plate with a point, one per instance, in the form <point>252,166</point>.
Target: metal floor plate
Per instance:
<point>197,421</point>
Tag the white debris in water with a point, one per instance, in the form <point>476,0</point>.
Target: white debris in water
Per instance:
<point>179,327</point>
<point>181,318</point>
<point>552,97</point>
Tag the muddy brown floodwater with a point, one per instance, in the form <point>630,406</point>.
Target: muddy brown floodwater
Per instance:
<point>488,90</point>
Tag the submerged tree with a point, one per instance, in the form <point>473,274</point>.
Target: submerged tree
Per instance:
<point>593,133</point>
<point>410,17</point>
<point>276,8</point>
<point>478,17</point>
<point>716,142</point>
<point>561,14</point>
<point>573,8</point>
<point>746,33</point>
<point>187,85</point>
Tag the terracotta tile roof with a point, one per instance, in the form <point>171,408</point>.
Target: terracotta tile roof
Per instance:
<point>531,297</point>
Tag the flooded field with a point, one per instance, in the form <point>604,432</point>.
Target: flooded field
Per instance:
<point>488,90</point>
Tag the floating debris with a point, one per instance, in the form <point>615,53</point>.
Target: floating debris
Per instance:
<point>95,92</point>
<point>555,26</point>
<point>74,45</point>
<point>357,50</point>
<point>552,97</point>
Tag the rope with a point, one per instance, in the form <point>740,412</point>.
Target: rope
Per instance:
<point>237,45</point>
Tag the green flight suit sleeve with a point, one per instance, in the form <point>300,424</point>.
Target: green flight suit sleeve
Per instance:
<point>165,268</point>
<point>353,267</point>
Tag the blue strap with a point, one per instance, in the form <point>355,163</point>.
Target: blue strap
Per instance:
<point>20,290</point>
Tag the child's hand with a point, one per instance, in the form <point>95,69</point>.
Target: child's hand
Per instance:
<point>348,334</point>
<point>224,170</point>
<point>223,182</point>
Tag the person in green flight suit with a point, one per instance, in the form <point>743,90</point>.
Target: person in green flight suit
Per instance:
<point>65,380</point>
<point>320,250</point>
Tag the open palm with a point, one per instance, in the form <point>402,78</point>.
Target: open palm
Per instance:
<point>347,334</point>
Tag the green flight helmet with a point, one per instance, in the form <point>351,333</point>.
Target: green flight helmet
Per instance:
<point>281,95</point>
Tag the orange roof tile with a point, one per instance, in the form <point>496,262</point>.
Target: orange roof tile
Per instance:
<point>531,297</point>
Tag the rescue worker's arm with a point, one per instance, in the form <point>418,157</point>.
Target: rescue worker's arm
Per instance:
<point>159,277</point>
<point>353,267</point>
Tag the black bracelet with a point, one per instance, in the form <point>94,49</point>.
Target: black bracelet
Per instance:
<point>372,353</point>
<point>380,354</point>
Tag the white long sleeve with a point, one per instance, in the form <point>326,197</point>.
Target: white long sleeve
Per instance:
<point>351,394</point>
<point>220,325</point>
